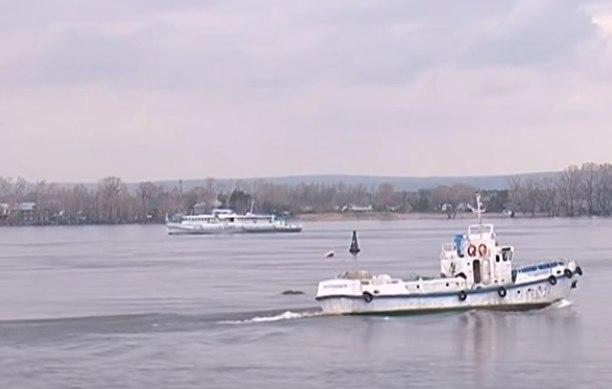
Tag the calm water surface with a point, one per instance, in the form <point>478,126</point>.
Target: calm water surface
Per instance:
<point>130,307</point>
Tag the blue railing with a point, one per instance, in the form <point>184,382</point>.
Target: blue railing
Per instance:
<point>542,266</point>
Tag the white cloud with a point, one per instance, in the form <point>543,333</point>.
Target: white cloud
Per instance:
<point>232,88</point>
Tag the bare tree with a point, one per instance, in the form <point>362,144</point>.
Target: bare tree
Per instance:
<point>450,200</point>
<point>604,189</point>
<point>109,189</point>
<point>588,182</point>
<point>549,196</point>
<point>386,197</point>
<point>570,190</point>
<point>515,190</point>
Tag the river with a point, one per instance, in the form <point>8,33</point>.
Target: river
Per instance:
<point>131,307</point>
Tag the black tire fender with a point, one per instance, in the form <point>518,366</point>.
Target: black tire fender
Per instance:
<point>502,292</point>
<point>368,297</point>
<point>578,270</point>
<point>568,273</point>
<point>552,280</point>
<point>462,295</point>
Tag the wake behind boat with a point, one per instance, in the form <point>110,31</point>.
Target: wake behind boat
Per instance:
<point>226,221</point>
<point>476,272</point>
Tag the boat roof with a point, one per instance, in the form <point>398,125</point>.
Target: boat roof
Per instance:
<point>198,217</point>
<point>481,229</point>
<point>247,216</point>
<point>227,213</point>
<point>222,211</point>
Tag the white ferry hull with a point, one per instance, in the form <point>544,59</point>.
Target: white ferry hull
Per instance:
<point>534,294</point>
<point>182,229</point>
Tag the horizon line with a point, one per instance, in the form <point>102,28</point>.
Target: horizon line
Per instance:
<point>297,176</point>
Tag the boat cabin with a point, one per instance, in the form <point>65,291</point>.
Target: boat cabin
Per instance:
<point>477,257</point>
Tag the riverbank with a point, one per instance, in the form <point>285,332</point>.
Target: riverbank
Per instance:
<point>340,216</point>
<point>382,216</point>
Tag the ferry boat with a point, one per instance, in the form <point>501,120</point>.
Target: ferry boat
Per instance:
<point>226,221</point>
<point>476,272</point>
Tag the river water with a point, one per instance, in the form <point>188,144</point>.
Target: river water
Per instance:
<point>131,307</point>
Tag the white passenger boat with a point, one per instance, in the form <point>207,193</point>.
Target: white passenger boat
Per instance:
<point>226,221</point>
<point>476,272</point>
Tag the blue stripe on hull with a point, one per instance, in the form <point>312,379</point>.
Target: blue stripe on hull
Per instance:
<point>440,294</point>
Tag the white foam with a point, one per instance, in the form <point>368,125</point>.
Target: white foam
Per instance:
<point>561,304</point>
<point>287,315</point>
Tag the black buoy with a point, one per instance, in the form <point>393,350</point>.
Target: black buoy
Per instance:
<point>354,249</point>
<point>290,292</point>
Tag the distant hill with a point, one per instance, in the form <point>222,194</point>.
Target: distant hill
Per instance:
<point>403,183</point>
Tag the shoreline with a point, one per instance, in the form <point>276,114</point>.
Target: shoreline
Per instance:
<point>389,216</point>
<point>347,216</point>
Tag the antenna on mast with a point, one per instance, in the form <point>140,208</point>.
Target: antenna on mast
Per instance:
<point>479,210</point>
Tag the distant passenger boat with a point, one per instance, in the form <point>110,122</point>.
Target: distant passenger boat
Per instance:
<point>226,221</point>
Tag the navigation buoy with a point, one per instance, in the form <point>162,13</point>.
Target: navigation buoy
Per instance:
<point>354,249</point>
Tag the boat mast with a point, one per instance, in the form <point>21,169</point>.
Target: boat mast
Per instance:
<point>479,209</point>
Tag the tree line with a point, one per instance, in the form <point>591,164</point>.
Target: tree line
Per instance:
<point>576,191</point>
<point>584,190</point>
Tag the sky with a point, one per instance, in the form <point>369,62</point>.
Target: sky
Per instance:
<point>151,89</point>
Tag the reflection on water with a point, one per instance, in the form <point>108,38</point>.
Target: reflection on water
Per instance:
<point>129,306</point>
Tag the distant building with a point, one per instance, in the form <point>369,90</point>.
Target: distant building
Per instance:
<point>356,208</point>
<point>4,209</point>
<point>27,211</point>
<point>27,206</point>
<point>24,212</point>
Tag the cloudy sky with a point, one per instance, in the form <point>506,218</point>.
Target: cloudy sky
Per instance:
<point>151,89</point>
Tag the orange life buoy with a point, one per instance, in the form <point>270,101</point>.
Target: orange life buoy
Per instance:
<point>471,250</point>
<point>482,249</point>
